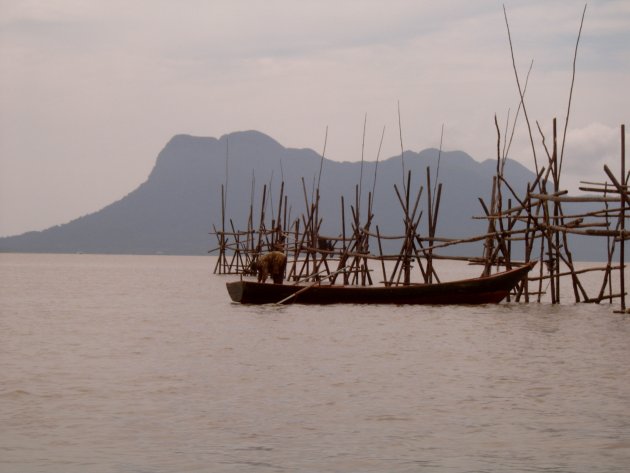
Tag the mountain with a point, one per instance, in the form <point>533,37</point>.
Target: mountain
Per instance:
<point>176,208</point>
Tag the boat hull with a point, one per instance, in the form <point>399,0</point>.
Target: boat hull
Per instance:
<point>487,290</point>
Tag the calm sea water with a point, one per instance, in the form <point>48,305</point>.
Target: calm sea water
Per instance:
<point>141,364</point>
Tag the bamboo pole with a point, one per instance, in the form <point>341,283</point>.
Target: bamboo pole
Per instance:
<point>520,91</point>
<point>382,260</point>
<point>622,218</point>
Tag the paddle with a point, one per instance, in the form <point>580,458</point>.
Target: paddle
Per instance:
<point>304,289</point>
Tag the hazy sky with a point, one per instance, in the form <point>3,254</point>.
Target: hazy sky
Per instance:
<point>91,91</point>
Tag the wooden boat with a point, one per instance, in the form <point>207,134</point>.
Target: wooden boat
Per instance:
<point>483,290</point>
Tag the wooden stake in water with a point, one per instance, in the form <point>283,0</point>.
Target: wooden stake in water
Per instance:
<point>624,191</point>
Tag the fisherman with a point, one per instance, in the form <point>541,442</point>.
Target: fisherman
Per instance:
<point>271,264</point>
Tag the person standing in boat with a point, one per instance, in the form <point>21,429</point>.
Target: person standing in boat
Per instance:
<point>271,264</point>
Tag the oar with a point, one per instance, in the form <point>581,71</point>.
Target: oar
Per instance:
<point>304,289</point>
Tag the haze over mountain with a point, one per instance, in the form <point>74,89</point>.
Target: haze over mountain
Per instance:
<point>176,208</point>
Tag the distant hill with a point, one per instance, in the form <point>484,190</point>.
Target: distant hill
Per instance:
<point>176,208</point>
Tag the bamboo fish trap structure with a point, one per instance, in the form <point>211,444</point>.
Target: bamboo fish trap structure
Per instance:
<point>536,225</point>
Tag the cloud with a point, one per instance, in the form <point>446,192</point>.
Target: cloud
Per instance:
<point>103,85</point>
<point>592,145</point>
<point>588,148</point>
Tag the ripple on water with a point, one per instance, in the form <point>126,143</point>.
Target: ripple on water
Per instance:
<point>142,364</point>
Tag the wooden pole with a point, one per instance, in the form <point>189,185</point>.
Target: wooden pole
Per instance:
<point>520,90</point>
<point>429,225</point>
<point>380,249</point>
<point>622,249</point>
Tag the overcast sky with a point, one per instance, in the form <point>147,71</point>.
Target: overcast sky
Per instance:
<point>91,91</point>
